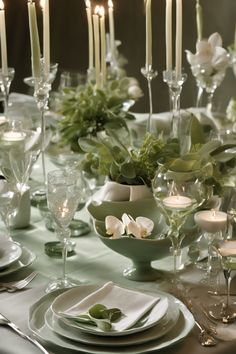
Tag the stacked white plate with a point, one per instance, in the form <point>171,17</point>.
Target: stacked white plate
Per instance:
<point>166,323</point>
<point>13,257</point>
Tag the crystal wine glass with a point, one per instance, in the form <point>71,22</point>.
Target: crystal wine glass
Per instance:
<point>42,87</point>
<point>177,195</point>
<point>62,197</point>
<point>5,83</point>
<point>9,202</point>
<point>226,312</point>
<point>19,149</point>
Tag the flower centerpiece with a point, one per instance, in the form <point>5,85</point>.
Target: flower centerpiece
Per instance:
<point>87,110</point>
<point>209,65</point>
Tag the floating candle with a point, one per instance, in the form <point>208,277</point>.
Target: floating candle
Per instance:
<point>211,220</point>
<point>13,136</point>
<point>177,202</point>
<point>228,248</point>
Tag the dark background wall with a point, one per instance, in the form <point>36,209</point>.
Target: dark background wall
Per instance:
<point>69,43</point>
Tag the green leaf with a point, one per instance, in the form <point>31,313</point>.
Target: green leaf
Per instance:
<point>128,170</point>
<point>97,311</point>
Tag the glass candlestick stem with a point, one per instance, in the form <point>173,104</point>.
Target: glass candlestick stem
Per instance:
<point>149,74</point>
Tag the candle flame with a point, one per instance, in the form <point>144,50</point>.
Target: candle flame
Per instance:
<point>42,3</point>
<point>1,5</point>
<point>97,9</point>
<point>101,11</point>
<point>88,3</point>
<point>110,3</point>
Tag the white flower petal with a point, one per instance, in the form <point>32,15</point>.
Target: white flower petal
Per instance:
<point>134,229</point>
<point>215,40</point>
<point>204,47</point>
<point>125,219</point>
<point>220,59</point>
<point>146,225</point>
<point>114,227</point>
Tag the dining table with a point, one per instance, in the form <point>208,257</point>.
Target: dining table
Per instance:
<point>92,263</point>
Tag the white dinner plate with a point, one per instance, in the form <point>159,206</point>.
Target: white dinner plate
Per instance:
<point>10,252</point>
<point>70,298</point>
<point>39,327</point>
<point>27,257</point>
<point>157,331</point>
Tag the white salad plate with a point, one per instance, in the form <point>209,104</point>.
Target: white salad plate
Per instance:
<point>10,252</point>
<point>64,302</point>
<point>27,257</point>
<point>176,325</point>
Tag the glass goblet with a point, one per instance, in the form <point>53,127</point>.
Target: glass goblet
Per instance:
<point>19,149</point>
<point>208,82</point>
<point>62,197</point>
<point>5,83</point>
<point>177,195</point>
<point>9,202</point>
<point>226,312</point>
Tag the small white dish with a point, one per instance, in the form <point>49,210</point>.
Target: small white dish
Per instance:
<point>10,252</point>
<point>27,257</point>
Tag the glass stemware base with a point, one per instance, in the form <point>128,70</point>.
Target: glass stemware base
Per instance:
<point>222,312</point>
<point>60,283</point>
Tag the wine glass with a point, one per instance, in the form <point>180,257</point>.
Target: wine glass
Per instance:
<point>9,202</point>
<point>5,83</point>
<point>207,81</point>
<point>62,198</point>
<point>226,312</point>
<point>177,195</point>
<point>19,149</point>
<point>42,87</point>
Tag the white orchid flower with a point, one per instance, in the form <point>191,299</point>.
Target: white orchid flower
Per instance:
<point>210,55</point>
<point>114,227</point>
<point>141,227</point>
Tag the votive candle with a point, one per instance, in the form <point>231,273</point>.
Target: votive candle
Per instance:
<point>211,220</point>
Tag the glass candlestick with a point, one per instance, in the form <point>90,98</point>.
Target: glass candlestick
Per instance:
<point>175,85</point>
<point>149,73</point>
<point>42,88</point>
<point>5,83</point>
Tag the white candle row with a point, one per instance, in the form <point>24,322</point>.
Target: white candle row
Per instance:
<point>100,45</point>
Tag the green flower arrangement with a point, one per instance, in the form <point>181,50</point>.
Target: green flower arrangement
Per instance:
<point>114,155</point>
<point>86,110</point>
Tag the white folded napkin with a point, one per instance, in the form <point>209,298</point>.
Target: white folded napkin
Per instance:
<point>133,304</point>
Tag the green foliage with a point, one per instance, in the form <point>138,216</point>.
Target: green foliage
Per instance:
<point>113,154</point>
<point>87,111</point>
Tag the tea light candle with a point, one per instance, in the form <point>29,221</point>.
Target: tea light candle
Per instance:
<point>13,136</point>
<point>177,202</point>
<point>211,220</point>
